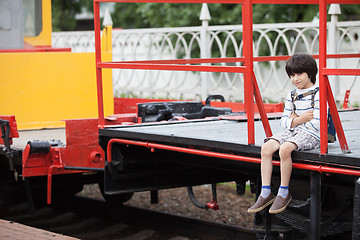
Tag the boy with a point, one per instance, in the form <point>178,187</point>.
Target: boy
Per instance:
<point>302,132</point>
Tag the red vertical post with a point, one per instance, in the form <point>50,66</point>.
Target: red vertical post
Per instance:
<point>261,108</point>
<point>248,61</point>
<point>335,115</point>
<point>97,29</point>
<point>322,79</point>
<point>346,99</point>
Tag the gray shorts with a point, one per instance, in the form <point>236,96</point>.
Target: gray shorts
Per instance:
<point>302,140</point>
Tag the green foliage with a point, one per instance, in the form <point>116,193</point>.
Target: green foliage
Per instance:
<point>140,15</point>
<point>126,15</point>
<point>225,14</point>
<point>130,15</point>
<point>143,15</point>
<point>350,12</point>
<point>63,14</point>
<point>64,11</point>
<point>280,13</point>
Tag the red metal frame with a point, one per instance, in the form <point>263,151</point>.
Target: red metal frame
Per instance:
<point>35,49</point>
<point>154,146</point>
<point>346,99</point>
<point>13,127</point>
<point>82,149</point>
<point>250,85</point>
<point>231,59</point>
<point>129,105</point>
<point>335,115</point>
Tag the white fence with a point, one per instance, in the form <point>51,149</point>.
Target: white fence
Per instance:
<point>220,41</point>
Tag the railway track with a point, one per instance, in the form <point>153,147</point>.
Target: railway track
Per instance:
<point>91,219</point>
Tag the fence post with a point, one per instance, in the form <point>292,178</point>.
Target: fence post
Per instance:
<point>204,48</point>
<point>334,11</point>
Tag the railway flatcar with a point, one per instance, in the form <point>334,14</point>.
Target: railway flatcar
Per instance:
<point>42,87</point>
<point>48,118</point>
<point>156,155</point>
<point>163,144</point>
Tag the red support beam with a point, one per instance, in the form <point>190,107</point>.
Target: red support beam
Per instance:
<point>326,96</point>
<point>261,108</point>
<point>98,60</point>
<point>346,99</point>
<point>248,54</point>
<point>172,67</point>
<point>154,146</point>
<point>233,59</point>
<point>334,71</point>
<point>322,83</point>
<point>335,116</point>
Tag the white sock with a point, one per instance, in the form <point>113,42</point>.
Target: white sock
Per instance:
<point>283,191</point>
<point>265,191</point>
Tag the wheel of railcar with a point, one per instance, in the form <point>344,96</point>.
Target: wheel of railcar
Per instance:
<point>115,198</point>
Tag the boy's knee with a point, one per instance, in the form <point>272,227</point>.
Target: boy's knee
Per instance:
<point>268,148</point>
<point>286,149</point>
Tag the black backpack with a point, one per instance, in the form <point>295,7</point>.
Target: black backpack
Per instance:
<point>330,122</point>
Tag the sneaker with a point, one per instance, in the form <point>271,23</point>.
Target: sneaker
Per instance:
<point>261,203</point>
<point>280,204</point>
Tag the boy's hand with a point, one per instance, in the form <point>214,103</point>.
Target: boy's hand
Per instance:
<point>306,117</point>
<point>293,115</point>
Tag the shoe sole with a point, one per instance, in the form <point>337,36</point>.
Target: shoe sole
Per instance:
<point>280,209</point>
<point>262,207</point>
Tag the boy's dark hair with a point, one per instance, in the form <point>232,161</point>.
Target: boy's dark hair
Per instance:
<point>300,63</point>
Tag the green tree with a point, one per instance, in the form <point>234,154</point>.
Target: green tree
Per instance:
<point>64,11</point>
<point>350,12</point>
<point>63,14</point>
<point>138,15</point>
<point>141,15</point>
<point>281,13</point>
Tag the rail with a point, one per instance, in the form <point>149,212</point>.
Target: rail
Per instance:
<point>326,96</point>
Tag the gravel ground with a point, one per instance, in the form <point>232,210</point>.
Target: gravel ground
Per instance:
<point>232,206</point>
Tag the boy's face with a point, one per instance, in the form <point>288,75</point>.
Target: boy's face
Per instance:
<point>301,80</point>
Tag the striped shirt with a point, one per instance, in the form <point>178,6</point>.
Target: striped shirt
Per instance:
<point>303,105</point>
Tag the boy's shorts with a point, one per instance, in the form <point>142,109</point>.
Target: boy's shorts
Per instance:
<point>300,138</point>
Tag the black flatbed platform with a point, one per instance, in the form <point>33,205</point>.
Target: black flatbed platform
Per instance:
<point>223,135</point>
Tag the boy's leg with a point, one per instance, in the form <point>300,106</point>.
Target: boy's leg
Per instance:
<point>267,151</point>
<point>266,197</point>
<point>283,198</point>
<point>286,161</point>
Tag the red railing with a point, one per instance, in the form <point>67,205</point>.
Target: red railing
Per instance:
<point>154,146</point>
<point>250,84</point>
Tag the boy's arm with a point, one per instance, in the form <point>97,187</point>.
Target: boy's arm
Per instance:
<point>304,118</point>
<point>314,123</point>
<point>287,117</point>
<point>310,118</point>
